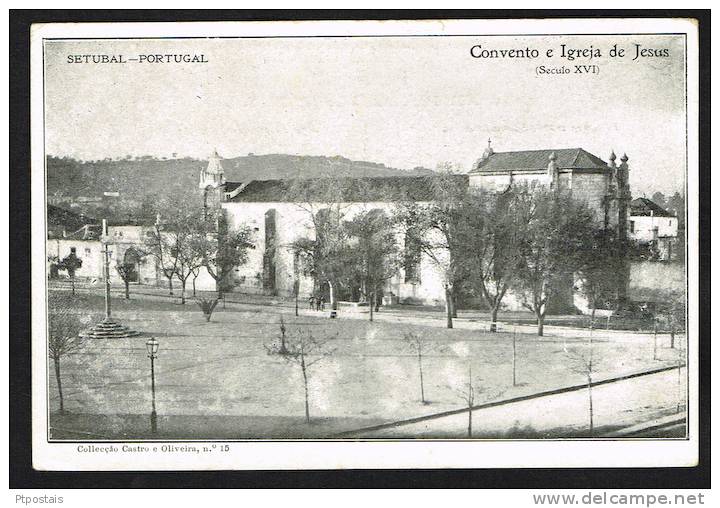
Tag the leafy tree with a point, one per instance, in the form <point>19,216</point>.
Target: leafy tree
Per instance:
<point>435,230</point>
<point>602,270</point>
<point>71,263</point>
<point>304,350</point>
<point>373,251</point>
<point>160,244</point>
<point>324,253</point>
<point>126,271</point>
<point>223,249</point>
<point>659,199</point>
<point>489,244</point>
<point>555,229</point>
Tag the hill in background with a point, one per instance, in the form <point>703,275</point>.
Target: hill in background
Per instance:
<point>137,178</point>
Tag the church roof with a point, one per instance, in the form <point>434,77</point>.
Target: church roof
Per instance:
<point>345,189</point>
<point>566,158</point>
<point>643,207</point>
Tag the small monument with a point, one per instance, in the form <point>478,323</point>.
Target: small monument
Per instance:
<point>108,328</point>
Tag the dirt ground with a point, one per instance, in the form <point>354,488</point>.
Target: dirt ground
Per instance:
<point>216,379</point>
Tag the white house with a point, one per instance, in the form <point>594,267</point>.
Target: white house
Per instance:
<point>651,225</point>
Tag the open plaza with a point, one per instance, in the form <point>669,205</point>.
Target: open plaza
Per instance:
<point>216,379</point>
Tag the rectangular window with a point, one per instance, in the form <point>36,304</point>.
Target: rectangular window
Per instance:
<point>632,226</point>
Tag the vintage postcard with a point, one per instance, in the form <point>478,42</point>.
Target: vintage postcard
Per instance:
<point>365,244</point>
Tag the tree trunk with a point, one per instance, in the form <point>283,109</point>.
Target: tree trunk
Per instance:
<point>672,336</point>
<point>514,358</point>
<point>194,293</point>
<point>453,302</point>
<point>448,307</point>
<point>493,318</point>
<point>127,289</point>
<point>372,304</point>
<point>540,322</point>
<point>422,381</point>
<point>170,284</point>
<point>182,292</point>
<point>305,381</point>
<point>590,403</point>
<point>56,361</point>
<point>72,283</point>
<point>469,420</point>
<point>655,340</point>
<point>297,296</point>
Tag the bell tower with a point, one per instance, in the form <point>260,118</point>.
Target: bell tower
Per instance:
<point>213,175</point>
<point>212,181</point>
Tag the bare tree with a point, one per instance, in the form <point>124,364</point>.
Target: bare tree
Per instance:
<point>304,350</point>
<point>672,313</point>
<point>467,392</point>
<point>420,345</point>
<point>207,305</point>
<point>283,331</point>
<point>582,361</point>
<point>65,324</point>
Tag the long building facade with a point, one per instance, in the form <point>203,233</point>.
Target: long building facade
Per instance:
<point>277,219</point>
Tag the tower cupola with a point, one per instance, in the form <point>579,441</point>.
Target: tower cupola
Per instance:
<point>213,175</point>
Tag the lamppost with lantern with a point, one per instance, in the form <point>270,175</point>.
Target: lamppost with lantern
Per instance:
<point>152,348</point>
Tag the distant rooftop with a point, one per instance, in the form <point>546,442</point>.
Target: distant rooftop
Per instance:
<point>644,207</point>
<point>566,158</point>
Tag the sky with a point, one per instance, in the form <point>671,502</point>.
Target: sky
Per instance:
<point>401,101</point>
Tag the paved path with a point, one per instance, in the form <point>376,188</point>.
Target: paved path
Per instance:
<point>615,404</point>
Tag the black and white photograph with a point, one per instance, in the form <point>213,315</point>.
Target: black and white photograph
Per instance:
<point>395,235</point>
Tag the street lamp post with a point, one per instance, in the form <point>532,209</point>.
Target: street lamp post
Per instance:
<point>152,348</point>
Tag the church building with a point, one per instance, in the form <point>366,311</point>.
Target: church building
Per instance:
<point>277,220</point>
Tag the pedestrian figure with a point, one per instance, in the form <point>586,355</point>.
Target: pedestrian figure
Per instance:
<point>317,303</point>
<point>312,302</point>
<point>322,303</point>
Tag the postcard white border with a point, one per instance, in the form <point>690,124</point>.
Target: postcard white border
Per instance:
<point>352,454</point>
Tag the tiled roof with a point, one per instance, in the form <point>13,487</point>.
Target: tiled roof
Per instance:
<point>566,158</point>
<point>348,190</point>
<point>643,207</point>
